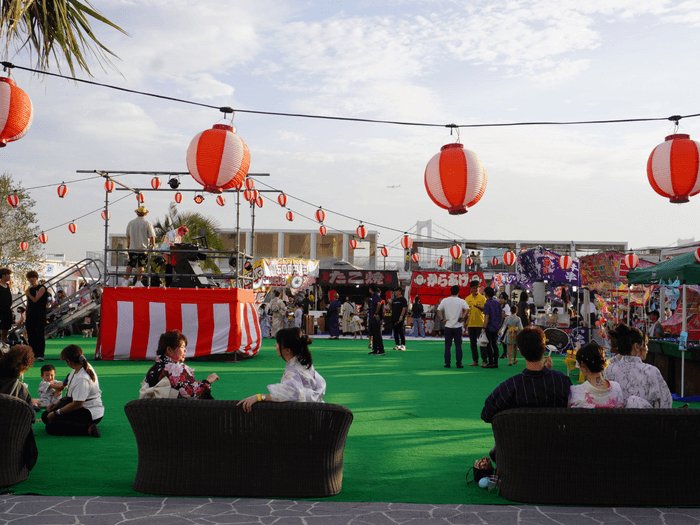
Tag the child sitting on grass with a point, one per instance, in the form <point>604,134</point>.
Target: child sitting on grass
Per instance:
<point>49,390</point>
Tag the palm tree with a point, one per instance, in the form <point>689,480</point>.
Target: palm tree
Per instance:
<point>54,28</point>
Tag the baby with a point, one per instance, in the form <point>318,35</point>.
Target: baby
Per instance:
<point>49,390</point>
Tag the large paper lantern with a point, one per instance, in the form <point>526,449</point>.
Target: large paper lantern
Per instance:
<point>455,251</point>
<point>109,186</point>
<point>353,244</point>
<point>221,200</point>
<point>566,262</point>
<point>106,215</point>
<point>290,216</point>
<point>494,261</point>
<point>24,246</point>
<point>249,183</point>
<point>178,197</point>
<point>632,261</point>
<point>455,179</point>
<point>509,258</point>
<point>72,228</point>
<point>218,158</point>
<point>323,230</point>
<point>361,231</point>
<point>282,199</point>
<point>440,261</point>
<point>673,168</point>
<point>62,190</point>
<point>155,183</point>
<point>43,238</point>
<point>259,202</point>
<point>320,215</point>
<point>415,257</point>
<point>697,255</point>
<point>13,200</point>
<point>16,112</point>
<point>406,242</point>
<point>384,251</point>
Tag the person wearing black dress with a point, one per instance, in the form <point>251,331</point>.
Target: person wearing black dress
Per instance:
<point>36,315</point>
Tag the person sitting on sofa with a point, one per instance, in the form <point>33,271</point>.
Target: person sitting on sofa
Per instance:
<point>300,382</point>
<point>170,364</point>
<point>637,379</point>
<point>596,392</point>
<point>536,386</point>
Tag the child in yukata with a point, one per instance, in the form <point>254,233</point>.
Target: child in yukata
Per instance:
<point>49,390</point>
<point>356,324</point>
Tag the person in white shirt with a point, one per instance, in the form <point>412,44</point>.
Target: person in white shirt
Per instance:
<point>452,310</point>
<point>656,331</point>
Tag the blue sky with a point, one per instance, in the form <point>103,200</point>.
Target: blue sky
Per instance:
<point>420,61</point>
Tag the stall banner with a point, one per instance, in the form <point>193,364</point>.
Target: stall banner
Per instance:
<point>504,279</point>
<point>539,265</point>
<point>358,277</point>
<point>434,286</point>
<point>215,321</point>
<point>295,273</point>
<point>603,270</point>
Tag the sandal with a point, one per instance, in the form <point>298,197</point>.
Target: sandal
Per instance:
<point>510,364</point>
<point>515,361</point>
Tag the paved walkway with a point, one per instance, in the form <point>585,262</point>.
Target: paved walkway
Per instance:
<point>51,510</point>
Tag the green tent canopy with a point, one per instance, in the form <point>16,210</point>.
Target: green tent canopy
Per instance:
<point>683,267</point>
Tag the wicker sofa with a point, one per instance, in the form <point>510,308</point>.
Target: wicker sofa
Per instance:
<point>214,448</point>
<point>16,440</point>
<point>606,457</point>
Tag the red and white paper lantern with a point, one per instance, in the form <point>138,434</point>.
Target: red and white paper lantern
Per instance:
<point>178,197</point>
<point>320,215</point>
<point>440,261</point>
<point>260,202</point>
<point>631,260</point>
<point>109,186</point>
<point>455,179</point>
<point>155,183</point>
<point>406,242</point>
<point>697,255</point>
<point>455,251</point>
<point>673,168</point>
<point>468,261</point>
<point>24,246</point>
<point>415,257</point>
<point>72,228</point>
<point>249,183</point>
<point>16,112</point>
<point>384,251</point>
<point>282,199</point>
<point>140,198</point>
<point>106,215</point>
<point>353,244</point>
<point>509,258</point>
<point>565,262</point>
<point>221,200</point>
<point>43,238</point>
<point>290,216</point>
<point>361,231</point>
<point>13,200</point>
<point>218,158</point>
<point>62,190</point>
<point>323,230</point>
<point>494,261</point>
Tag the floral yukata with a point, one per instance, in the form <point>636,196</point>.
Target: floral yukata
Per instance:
<point>643,386</point>
<point>299,384</point>
<point>512,325</point>
<point>181,378</point>
<point>588,396</point>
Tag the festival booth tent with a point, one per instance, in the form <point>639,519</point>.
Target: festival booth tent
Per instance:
<point>683,268</point>
<point>433,287</point>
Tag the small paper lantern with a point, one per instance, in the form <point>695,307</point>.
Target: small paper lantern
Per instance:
<point>673,168</point>
<point>178,197</point>
<point>697,255</point>
<point>384,251</point>
<point>440,261</point>
<point>72,228</point>
<point>468,261</point>
<point>254,194</point>
<point>16,112</point>
<point>259,202</point>
<point>509,258</point>
<point>320,215</point>
<point>218,158</point>
<point>415,257</point>
<point>24,246</point>
<point>406,242</point>
<point>155,183</point>
<point>353,244</point>
<point>455,251</point>
<point>43,238</point>
<point>221,200</point>
<point>109,186</point>
<point>106,215</point>
<point>199,199</point>
<point>249,183</point>
<point>566,262</point>
<point>632,261</point>
<point>282,199</point>
<point>361,231</point>
<point>494,261</point>
<point>455,179</point>
<point>290,216</point>
<point>323,230</point>
<point>140,198</point>
<point>13,200</point>
<point>62,190</point>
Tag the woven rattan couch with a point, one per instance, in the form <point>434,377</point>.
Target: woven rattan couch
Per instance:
<point>214,448</point>
<point>606,457</point>
<point>16,418</point>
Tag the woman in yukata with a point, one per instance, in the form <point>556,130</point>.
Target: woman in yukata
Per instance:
<point>596,392</point>
<point>300,382</point>
<point>635,377</point>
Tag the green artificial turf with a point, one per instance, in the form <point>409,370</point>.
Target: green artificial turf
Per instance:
<point>416,428</point>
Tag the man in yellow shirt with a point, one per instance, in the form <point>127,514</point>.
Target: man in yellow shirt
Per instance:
<point>475,320</point>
